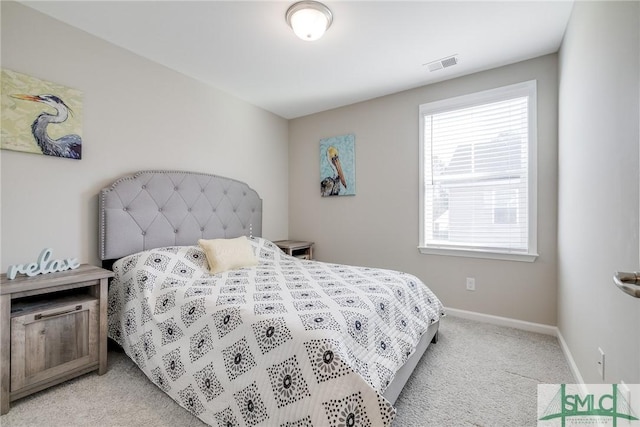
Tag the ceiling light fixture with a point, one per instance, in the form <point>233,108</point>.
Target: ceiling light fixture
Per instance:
<point>309,19</point>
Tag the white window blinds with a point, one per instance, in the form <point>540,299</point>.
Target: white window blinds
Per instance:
<point>477,183</point>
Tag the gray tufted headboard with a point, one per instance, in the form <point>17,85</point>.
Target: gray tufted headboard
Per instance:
<point>151,209</point>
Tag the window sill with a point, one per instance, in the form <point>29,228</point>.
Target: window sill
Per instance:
<point>478,254</point>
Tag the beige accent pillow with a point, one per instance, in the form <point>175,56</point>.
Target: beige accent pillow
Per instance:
<point>228,254</point>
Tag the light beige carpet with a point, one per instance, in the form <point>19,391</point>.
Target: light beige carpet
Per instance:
<point>476,375</point>
<point>481,375</point>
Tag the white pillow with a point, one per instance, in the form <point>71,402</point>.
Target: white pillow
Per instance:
<point>228,254</point>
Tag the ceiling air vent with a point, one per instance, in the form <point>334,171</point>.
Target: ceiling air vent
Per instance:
<point>442,63</point>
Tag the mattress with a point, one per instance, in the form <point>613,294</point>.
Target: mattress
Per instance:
<point>288,342</point>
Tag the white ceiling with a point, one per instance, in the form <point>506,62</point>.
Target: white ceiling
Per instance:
<point>373,48</point>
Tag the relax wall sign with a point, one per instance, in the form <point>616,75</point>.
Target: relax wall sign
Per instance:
<point>43,265</point>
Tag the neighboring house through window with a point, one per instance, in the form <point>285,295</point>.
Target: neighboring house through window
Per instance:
<point>478,174</point>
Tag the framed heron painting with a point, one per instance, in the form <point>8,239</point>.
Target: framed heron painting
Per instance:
<point>40,117</point>
<point>338,166</point>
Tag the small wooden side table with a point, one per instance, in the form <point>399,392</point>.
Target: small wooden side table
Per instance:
<point>53,327</point>
<point>297,248</point>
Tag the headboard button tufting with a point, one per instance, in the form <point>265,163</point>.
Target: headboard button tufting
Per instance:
<point>131,204</point>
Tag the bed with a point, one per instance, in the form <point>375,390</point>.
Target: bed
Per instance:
<point>287,342</point>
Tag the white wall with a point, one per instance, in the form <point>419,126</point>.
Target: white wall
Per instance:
<point>137,115</point>
<point>598,187</point>
<point>379,225</point>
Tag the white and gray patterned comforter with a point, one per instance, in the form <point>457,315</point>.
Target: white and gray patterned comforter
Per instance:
<point>287,343</point>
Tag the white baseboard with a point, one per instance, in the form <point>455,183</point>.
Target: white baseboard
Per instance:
<point>572,363</point>
<point>503,321</point>
<point>525,326</point>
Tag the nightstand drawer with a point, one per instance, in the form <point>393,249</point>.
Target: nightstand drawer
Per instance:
<point>50,341</point>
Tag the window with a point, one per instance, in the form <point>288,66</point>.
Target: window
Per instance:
<point>478,174</point>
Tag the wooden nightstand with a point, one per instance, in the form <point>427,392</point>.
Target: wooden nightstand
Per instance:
<point>297,248</point>
<point>53,327</point>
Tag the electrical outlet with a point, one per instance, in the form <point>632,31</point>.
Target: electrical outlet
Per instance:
<point>601,363</point>
<point>471,283</point>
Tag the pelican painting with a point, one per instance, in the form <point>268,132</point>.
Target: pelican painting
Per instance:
<point>337,166</point>
<point>45,123</point>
